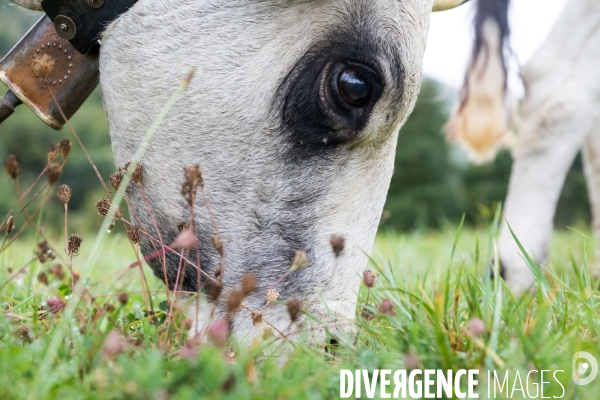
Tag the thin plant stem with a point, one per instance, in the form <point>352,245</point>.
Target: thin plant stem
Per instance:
<point>5,245</point>
<point>162,243</point>
<point>40,388</point>
<point>24,194</point>
<point>68,123</point>
<point>17,273</point>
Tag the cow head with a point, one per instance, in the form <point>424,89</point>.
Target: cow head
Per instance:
<point>293,117</point>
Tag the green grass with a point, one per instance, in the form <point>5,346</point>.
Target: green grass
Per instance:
<point>436,283</point>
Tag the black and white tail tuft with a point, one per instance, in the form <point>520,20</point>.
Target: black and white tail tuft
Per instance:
<point>479,121</point>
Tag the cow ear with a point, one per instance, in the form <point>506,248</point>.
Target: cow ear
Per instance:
<point>441,5</point>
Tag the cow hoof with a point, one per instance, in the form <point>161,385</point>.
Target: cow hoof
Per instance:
<point>492,270</point>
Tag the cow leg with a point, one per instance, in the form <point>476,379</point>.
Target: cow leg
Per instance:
<point>538,174</point>
<point>560,108</point>
<point>591,167</point>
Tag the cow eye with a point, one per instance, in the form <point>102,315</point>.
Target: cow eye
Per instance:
<point>354,88</point>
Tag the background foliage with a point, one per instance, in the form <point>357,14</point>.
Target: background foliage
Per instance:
<point>433,183</point>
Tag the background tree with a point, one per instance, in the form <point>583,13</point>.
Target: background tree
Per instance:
<point>433,183</point>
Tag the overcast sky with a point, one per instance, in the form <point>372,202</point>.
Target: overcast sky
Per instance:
<point>450,36</point>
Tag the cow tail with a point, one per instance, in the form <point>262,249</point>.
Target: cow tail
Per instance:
<point>479,121</point>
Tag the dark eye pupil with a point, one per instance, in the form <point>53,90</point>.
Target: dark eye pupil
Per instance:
<point>354,89</point>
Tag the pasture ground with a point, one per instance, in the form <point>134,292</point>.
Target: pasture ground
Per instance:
<point>446,315</point>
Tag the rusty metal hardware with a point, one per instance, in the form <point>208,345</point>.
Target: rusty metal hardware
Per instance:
<point>58,57</point>
<point>43,64</point>
<point>8,104</point>
<point>89,18</point>
<point>65,27</point>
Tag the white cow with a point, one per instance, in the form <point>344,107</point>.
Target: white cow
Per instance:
<point>559,116</point>
<point>294,119</point>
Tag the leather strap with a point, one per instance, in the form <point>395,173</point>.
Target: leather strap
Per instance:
<point>82,21</point>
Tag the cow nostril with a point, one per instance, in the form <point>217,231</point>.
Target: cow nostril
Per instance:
<point>353,87</point>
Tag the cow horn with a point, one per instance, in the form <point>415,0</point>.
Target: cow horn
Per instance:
<point>441,5</point>
<point>30,4</point>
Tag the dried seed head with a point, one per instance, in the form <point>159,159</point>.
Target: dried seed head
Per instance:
<point>137,174</point>
<point>10,224</point>
<point>113,346</point>
<point>42,277</point>
<point>411,361</point>
<point>476,327</point>
<point>24,333</point>
<point>218,332</point>
<point>185,240</point>
<point>57,271</point>
<point>133,233</point>
<point>217,243</point>
<point>293,309</point>
<point>44,252</point>
<point>367,314</point>
<point>186,324</point>
<point>272,295</point>
<point>248,283</point>
<point>256,317</point>
<point>65,147</point>
<point>191,348</point>
<point>387,308</point>
<point>123,298</point>
<point>12,166</point>
<point>193,175</point>
<point>188,78</point>
<point>183,225</point>
<point>103,207</point>
<point>214,290</point>
<point>369,278</point>
<point>300,260</point>
<point>55,304</point>
<point>42,66</point>
<point>193,179</point>
<point>64,193</point>
<point>53,172</point>
<point>73,245</point>
<point>53,152</point>
<point>234,300</point>
<point>109,307</point>
<point>337,244</point>
<point>115,179</point>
